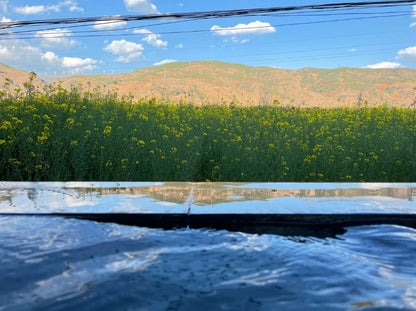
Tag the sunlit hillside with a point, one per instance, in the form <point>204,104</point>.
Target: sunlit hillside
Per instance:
<point>210,82</point>
<point>12,79</point>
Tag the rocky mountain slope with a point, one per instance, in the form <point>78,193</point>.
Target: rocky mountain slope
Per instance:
<point>210,82</point>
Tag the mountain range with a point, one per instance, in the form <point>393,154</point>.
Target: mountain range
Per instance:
<point>212,82</point>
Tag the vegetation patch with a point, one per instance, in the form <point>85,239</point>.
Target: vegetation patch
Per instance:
<point>69,135</point>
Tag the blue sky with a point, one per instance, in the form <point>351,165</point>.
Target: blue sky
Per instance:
<point>375,38</point>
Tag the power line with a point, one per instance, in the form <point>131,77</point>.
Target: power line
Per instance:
<point>206,14</point>
<point>31,31</point>
<point>93,33</point>
<point>305,14</point>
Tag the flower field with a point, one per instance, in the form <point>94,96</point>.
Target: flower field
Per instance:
<point>68,135</point>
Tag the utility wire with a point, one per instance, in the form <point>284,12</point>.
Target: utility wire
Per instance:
<point>206,14</point>
<point>60,35</point>
<point>50,31</point>
<point>63,33</point>
<point>281,14</point>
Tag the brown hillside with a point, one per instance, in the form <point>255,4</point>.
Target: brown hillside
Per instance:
<point>210,82</point>
<point>16,79</point>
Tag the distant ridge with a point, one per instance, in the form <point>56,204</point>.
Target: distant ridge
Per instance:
<point>16,79</point>
<point>213,82</point>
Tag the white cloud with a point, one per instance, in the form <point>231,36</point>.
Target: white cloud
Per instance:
<point>50,57</point>
<point>40,9</point>
<point>126,51</point>
<point>80,63</point>
<point>141,6</point>
<point>36,9</point>
<point>26,10</point>
<point>56,38</point>
<point>236,39</point>
<point>179,46</point>
<point>407,53</point>
<point>109,24</point>
<point>165,61</point>
<point>151,38</point>
<point>20,54</point>
<point>72,6</point>
<point>384,65</point>
<point>5,20</point>
<point>353,50</point>
<point>256,28</point>
<point>4,52</point>
<point>71,65</point>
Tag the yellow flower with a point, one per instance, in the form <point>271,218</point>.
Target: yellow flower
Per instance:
<point>107,130</point>
<point>69,122</point>
<point>6,125</point>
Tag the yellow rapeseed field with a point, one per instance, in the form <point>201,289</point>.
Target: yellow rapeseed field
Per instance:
<point>68,135</point>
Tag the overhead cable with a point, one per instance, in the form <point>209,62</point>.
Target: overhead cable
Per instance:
<point>206,14</point>
<point>93,33</point>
